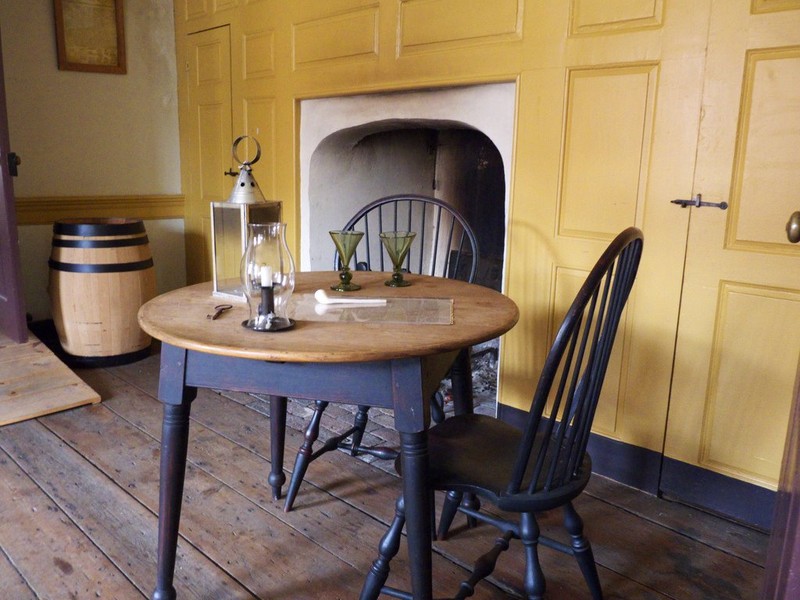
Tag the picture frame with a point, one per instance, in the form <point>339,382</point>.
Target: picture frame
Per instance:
<point>90,35</point>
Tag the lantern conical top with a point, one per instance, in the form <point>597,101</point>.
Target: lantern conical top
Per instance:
<point>246,190</point>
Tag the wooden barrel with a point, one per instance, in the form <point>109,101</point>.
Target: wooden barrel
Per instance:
<point>101,272</point>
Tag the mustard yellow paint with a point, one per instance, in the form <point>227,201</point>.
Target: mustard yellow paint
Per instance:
<point>618,113</point>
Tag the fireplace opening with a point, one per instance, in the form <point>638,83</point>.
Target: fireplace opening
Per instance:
<point>452,144</point>
<point>458,165</point>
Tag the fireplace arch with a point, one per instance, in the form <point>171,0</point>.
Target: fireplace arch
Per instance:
<point>455,144</point>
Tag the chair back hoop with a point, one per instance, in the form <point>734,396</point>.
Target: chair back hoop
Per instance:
<point>445,244</point>
<point>553,447</point>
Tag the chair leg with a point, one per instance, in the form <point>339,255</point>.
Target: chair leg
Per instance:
<point>437,407</point>
<point>582,551</point>
<point>471,501</point>
<point>304,455</point>
<point>451,502</point>
<point>534,577</point>
<point>359,426</point>
<point>387,549</point>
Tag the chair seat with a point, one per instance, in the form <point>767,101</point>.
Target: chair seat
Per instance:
<point>476,453</point>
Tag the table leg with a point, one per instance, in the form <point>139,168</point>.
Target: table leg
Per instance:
<point>277,429</point>
<point>174,442</point>
<point>411,416</point>
<point>177,401</point>
<point>414,457</point>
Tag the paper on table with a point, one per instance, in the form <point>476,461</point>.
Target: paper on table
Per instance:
<point>411,311</point>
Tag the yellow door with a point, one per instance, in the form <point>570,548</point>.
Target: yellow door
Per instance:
<point>207,150</point>
<point>739,334</point>
<point>612,109</point>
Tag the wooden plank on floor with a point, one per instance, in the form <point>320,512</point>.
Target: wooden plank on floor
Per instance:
<point>270,560</point>
<point>121,531</point>
<point>39,523</point>
<point>739,540</point>
<point>33,382</point>
<point>12,585</point>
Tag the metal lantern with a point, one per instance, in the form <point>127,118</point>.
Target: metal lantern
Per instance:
<point>246,204</point>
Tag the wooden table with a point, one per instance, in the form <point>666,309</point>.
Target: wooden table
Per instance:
<point>389,365</point>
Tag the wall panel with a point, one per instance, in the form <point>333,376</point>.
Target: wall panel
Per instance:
<point>343,36</point>
<point>606,16</point>
<point>436,24</point>
<point>729,442</point>
<point>606,149</point>
<point>766,176</point>
<point>258,54</point>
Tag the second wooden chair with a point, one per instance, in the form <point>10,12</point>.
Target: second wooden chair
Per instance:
<point>445,246</point>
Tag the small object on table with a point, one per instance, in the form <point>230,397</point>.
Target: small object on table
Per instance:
<point>397,244</point>
<point>218,310</point>
<point>346,242</point>
<point>323,298</point>
<point>268,277</point>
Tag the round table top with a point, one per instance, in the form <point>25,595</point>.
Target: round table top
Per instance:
<point>479,314</point>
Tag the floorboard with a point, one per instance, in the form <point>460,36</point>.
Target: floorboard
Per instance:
<point>81,488</point>
<point>34,382</point>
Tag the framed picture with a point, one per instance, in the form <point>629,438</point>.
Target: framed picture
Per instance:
<point>90,35</point>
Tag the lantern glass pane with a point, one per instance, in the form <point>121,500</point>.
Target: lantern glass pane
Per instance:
<point>229,238</point>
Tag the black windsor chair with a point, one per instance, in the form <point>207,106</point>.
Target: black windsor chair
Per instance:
<point>445,246</point>
<point>546,465</point>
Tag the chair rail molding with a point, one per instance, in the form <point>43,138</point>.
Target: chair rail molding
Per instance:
<point>43,210</point>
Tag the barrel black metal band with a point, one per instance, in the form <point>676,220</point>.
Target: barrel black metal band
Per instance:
<point>96,229</point>
<point>119,243</point>
<point>103,268</point>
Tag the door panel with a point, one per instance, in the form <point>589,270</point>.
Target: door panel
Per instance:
<point>606,137</point>
<point>739,335</point>
<point>209,136</point>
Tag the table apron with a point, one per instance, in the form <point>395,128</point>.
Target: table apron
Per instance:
<point>354,383</point>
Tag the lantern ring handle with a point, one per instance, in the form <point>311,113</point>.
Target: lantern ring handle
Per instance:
<point>245,163</point>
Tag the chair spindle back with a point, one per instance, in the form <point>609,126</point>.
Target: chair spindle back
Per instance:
<point>553,448</point>
<point>445,245</point>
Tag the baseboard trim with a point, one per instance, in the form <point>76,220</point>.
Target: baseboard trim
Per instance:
<point>46,210</point>
<point>738,500</point>
<point>646,470</point>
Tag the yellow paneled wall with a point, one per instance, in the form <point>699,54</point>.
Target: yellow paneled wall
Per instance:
<point>578,179</point>
<point>610,95</point>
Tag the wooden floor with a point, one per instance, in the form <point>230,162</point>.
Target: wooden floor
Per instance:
<point>79,497</point>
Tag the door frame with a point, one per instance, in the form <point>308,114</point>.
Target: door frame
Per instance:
<point>12,302</point>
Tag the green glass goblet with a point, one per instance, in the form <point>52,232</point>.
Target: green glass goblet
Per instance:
<point>346,242</point>
<point>397,244</point>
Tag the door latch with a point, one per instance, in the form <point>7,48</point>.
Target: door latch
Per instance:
<point>698,202</point>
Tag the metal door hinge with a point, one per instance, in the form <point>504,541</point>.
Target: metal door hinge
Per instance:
<point>698,202</point>
<point>13,162</point>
